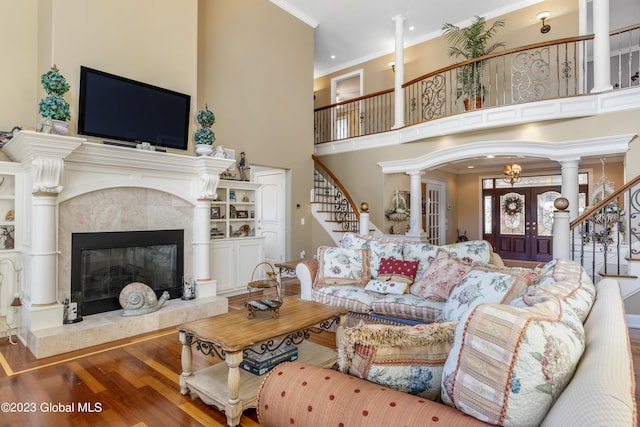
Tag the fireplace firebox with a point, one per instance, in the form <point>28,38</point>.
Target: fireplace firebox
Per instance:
<point>103,263</point>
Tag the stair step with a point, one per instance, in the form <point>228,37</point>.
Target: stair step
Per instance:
<point>612,272</point>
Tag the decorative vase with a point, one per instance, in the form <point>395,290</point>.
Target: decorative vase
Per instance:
<point>60,127</point>
<point>204,149</point>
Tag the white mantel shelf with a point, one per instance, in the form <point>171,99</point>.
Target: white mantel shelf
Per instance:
<point>29,145</point>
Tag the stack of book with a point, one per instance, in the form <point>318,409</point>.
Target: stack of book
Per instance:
<point>260,364</point>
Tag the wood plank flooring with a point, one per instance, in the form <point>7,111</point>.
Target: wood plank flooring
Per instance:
<point>129,383</point>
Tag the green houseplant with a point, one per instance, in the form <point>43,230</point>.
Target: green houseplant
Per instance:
<point>205,137</point>
<point>469,43</point>
<point>53,106</point>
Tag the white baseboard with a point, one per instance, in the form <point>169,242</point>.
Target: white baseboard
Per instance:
<point>633,321</point>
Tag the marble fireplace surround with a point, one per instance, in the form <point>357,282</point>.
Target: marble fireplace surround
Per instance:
<point>72,185</point>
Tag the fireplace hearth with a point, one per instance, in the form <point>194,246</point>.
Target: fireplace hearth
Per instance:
<point>103,263</point>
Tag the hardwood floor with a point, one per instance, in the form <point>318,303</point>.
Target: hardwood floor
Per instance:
<point>131,382</point>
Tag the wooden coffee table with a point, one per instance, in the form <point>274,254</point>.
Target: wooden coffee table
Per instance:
<point>226,336</point>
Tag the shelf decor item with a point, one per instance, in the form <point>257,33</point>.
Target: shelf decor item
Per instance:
<point>258,299</point>
<point>53,108</point>
<point>205,137</point>
<point>469,43</point>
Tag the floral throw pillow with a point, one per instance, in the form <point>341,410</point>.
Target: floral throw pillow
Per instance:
<point>513,378</point>
<point>440,277</point>
<point>486,284</point>
<point>405,358</point>
<point>342,266</point>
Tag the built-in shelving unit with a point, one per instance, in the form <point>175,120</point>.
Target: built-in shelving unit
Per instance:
<point>233,212</point>
<point>235,247</point>
<point>7,212</point>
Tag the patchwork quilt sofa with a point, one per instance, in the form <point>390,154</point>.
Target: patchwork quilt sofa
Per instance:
<point>395,281</point>
<point>511,347</point>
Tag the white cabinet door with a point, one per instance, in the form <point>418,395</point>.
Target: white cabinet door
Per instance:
<point>249,255</point>
<point>222,265</point>
<point>233,262</point>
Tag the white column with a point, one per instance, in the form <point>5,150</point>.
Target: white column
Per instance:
<point>201,240</point>
<point>364,219</point>
<point>205,283</point>
<point>44,254</point>
<point>601,48</point>
<point>570,187</point>
<point>415,225</point>
<point>399,72</point>
<point>561,234</point>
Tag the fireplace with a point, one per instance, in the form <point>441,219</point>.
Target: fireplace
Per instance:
<point>103,263</point>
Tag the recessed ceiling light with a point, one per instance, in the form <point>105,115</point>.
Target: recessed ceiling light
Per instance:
<point>333,57</point>
<point>411,28</point>
<point>490,156</point>
<point>470,167</point>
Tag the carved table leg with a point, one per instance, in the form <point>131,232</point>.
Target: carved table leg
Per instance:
<point>233,407</point>
<point>187,358</point>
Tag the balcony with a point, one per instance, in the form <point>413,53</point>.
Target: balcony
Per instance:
<point>536,82</point>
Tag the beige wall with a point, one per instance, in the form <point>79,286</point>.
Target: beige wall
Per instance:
<point>18,49</point>
<point>255,72</point>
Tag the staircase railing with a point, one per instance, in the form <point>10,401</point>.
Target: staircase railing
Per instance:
<point>606,236</point>
<point>334,199</point>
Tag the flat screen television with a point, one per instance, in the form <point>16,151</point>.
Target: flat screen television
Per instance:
<point>119,108</point>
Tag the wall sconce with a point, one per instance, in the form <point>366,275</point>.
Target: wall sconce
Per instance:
<point>542,16</point>
<point>393,66</point>
<point>512,173</point>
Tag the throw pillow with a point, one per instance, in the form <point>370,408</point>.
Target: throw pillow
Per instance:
<point>387,286</point>
<point>395,269</point>
<point>508,365</point>
<point>405,358</point>
<point>342,266</point>
<point>440,277</point>
<point>486,284</point>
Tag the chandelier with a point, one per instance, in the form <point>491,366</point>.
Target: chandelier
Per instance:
<point>512,173</point>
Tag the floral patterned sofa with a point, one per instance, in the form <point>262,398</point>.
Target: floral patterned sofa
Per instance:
<point>394,281</point>
<point>555,354</point>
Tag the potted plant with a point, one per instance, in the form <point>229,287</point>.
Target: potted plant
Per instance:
<point>53,107</point>
<point>469,43</point>
<point>205,137</point>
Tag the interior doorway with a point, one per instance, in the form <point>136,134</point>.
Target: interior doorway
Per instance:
<point>346,121</point>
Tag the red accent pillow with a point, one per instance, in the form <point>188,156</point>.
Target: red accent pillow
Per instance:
<point>396,269</point>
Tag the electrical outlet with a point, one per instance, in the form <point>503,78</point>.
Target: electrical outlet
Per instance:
<point>301,221</point>
<point>302,254</point>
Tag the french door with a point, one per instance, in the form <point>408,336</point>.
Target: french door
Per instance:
<point>520,220</point>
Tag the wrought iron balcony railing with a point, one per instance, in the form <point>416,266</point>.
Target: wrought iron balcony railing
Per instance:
<point>560,68</point>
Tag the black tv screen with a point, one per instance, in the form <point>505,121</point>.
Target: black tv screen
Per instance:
<point>118,108</point>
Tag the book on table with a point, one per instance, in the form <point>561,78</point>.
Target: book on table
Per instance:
<point>261,363</point>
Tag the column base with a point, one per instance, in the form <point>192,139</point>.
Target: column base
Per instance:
<point>206,288</point>
<point>35,318</point>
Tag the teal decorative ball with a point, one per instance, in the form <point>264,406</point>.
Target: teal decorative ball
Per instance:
<point>206,117</point>
<point>205,136</point>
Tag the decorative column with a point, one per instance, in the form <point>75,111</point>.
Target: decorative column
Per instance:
<point>415,224</point>
<point>601,50</point>
<point>570,187</point>
<point>364,218</point>
<point>201,236</point>
<point>399,72</point>
<point>561,229</point>
<point>43,307</point>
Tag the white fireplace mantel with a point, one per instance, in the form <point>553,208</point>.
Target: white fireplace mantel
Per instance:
<point>58,168</point>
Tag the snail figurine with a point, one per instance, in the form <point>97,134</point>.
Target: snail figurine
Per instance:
<point>137,298</point>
